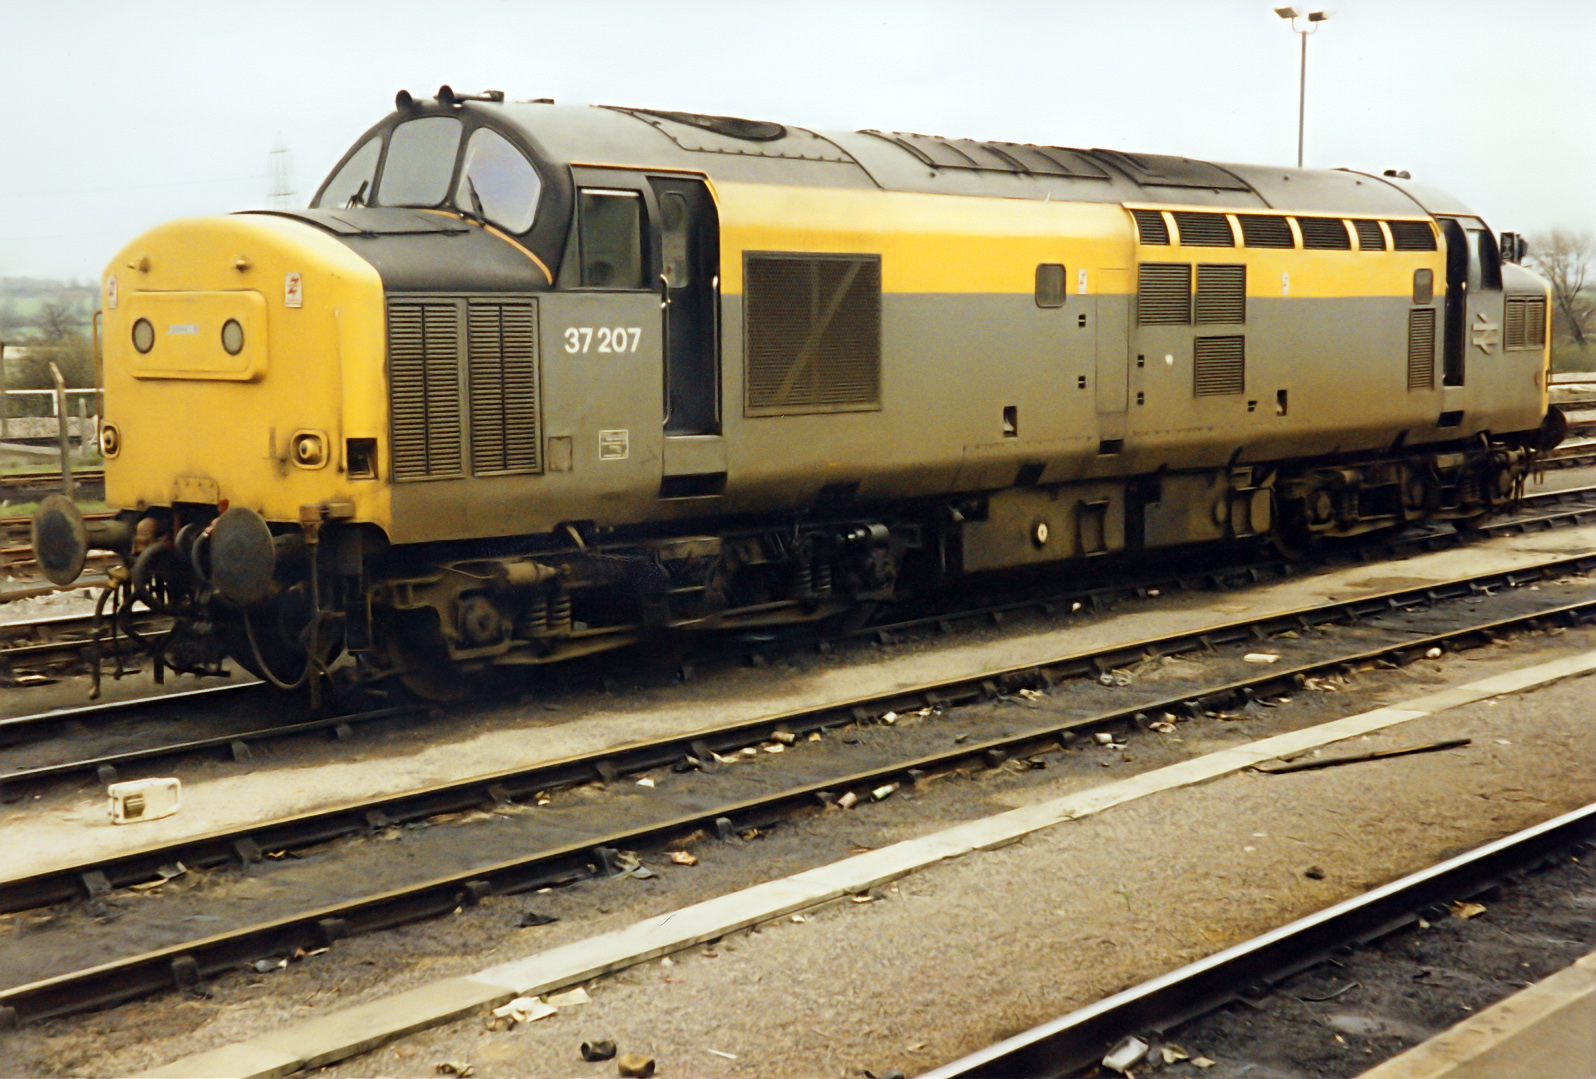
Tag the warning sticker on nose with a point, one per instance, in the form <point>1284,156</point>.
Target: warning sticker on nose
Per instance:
<point>613,445</point>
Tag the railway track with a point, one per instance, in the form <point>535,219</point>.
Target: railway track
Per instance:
<point>1547,510</point>
<point>562,846</point>
<point>1151,1011</point>
<point>28,486</point>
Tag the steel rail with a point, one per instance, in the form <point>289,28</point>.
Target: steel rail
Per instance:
<point>237,744</point>
<point>184,965</point>
<point>1079,1039</point>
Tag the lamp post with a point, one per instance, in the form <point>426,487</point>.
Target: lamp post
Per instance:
<point>1314,18</point>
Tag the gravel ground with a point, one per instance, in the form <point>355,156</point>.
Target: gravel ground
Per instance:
<point>1342,1017</point>
<point>954,957</point>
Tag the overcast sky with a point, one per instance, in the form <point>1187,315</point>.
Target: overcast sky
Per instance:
<point>116,115</point>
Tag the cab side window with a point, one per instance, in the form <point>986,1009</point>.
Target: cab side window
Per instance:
<point>611,237</point>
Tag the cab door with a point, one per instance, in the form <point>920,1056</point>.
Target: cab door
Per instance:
<point>689,247</point>
<point>1473,295</point>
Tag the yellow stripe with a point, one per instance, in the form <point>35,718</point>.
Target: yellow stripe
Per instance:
<point>965,244</point>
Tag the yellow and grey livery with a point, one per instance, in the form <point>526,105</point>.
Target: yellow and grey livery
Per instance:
<point>529,381</point>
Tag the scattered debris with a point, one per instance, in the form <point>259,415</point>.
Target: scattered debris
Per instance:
<point>1309,763</point>
<point>717,1052</point>
<point>519,1010</point>
<point>643,872</point>
<point>1313,872</point>
<point>1465,910</point>
<point>786,738</point>
<point>603,1049</point>
<point>799,918</point>
<point>774,747</point>
<point>569,998</point>
<point>682,857</point>
<point>635,1065</point>
<point>534,918</point>
<point>881,794</point>
<point>864,897</point>
<point>266,966</point>
<point>1433,653</point>
<point>1201,1062</point>
<point>848,800</point>
<point>814,736</point>
<point>1032,694</point>
<point>454,1067</point>
<point>1174,1054</point>
<point>1162,727</point>
<point>1102,738</point>
<point>138,800</point>
<point>1330,996</point>
<point>1260,657</point>
<point>746,751</point>
<point>890,718</point>
<point>1126,1054</point>
<point>646,781</point>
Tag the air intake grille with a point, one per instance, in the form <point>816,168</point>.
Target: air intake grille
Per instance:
<point>1324,234</point>
<point>1370,238</point>
<point>1258,230</point>
<point>1150,225</point>
<point>1219,366</point>
<point>424,388</point>
<point>813,325</point>
<point>502,375</point>
<point>1411,236</point>
<point>1524,326</point>
<point>1221,294</point>
<point>1163,294</point>
<point>1204,230</point>
<point>1421,349</point>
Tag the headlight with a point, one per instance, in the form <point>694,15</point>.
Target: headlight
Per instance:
<point>110,440</point>
<point>232,337</point>
<point>143,335</point>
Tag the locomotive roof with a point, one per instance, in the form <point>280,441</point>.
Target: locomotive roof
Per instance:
<point>735,150</point>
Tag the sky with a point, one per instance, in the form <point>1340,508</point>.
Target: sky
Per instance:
<point>117,116</point>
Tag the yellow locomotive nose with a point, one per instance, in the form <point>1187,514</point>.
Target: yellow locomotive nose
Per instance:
<point>241,353</point>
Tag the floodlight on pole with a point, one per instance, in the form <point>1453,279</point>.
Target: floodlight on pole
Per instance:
<point>1314,19</point>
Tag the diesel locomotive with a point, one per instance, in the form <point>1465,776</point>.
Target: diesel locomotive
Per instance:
<point>527,382</point>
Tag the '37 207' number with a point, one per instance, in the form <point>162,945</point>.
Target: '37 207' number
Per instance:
<point>617,339</point>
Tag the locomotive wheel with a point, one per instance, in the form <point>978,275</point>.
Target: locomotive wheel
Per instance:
<point>412,642</point>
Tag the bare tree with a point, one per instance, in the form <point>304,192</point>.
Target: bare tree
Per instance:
<point>1564,259</point>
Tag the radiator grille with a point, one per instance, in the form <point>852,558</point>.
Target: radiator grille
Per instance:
<point>1163,294</point>
<point>1411,236</point>
<point>1203,230</point>
<point>502,374</point>
<point>813,325</point>
<point>1421,349</point>
<point>1370,238</point>
<point>1150,225</point>
<point>1219,366</point>
<point>1524,325</point>
<point>1258,230</point>
<point>1221,294</point>
<point>1324,234</point>
<point>424,388</point>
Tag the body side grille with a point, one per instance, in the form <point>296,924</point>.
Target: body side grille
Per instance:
<point>502,372</point>
<point>1370,238</point>
<point>1151,228</point>
<point>1324,234</point>
<point>1163,294</point>
<point>1411,236</point>
<point>1219,366</point>
<point>813,333</point>
<point>1524,323</point>
<point>1221,294</point>
<point>424,389</point>
<point>1260,230</point>
<point>1421,348</point>
<point>1204,230</point>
